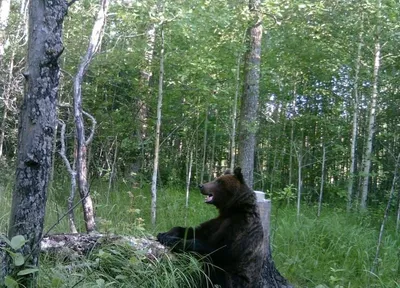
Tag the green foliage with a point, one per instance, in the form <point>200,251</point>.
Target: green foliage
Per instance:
<point>18,260</point>
<point>335,250</point>
<point>122,266</point>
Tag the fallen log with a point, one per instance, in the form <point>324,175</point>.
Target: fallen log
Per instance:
<point>77,245</point>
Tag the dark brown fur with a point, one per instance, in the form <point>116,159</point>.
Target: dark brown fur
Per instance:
<point>233,240</point>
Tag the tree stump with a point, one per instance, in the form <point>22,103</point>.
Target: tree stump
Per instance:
<point>271,278</point>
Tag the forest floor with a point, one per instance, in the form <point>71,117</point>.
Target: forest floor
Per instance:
<point>335,250</point>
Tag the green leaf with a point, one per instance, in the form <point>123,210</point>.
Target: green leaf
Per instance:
<point>10,282</point>
<point>19,259</point>
<point>17,242</point>
<point>27,271</point>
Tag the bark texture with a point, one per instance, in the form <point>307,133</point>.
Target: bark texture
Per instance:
<point>36,129</point>
<point>355,126</point>
<point>249,105</point>
<point>371,127</point>
<point>158,131</point>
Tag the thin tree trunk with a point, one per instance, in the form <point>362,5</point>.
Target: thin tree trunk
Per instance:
<point>158,129</point>
<point>299,182</point>
<point>234,114</point>
<point>189,175</point>
<point>72,173</point>
<point>371,127</point>
<point>36,132</point>
<point>350,186</point>
<point>378,246</point>
<point>146,75</point>
<point>321,191</point>
<point>249,105</point>
<point>205,140</point>
<point>398,216</point>
<point>112,174</point>
<point>212,160</point>
<point>82,142</point>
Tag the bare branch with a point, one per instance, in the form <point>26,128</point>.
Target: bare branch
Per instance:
<point>62,150</point>
<point>90,138</point>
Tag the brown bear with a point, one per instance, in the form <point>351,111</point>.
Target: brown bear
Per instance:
<point>233,241</point>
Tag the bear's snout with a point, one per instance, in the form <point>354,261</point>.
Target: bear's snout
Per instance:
<point>201,186</point>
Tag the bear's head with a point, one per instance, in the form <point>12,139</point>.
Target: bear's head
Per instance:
<point>228,190</point>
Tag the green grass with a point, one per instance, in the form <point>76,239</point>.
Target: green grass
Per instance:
<point>336,250</point>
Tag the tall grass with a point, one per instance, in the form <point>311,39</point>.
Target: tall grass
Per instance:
<point>335,250</point>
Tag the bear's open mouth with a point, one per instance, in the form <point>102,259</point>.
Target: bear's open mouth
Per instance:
<point>208,198</point>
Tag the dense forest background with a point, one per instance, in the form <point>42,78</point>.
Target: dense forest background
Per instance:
<point>328,126</point>
<point>315,78</point>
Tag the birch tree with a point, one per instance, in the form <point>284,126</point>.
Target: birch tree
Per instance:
<point>371,117</point>
<point>355,125</point>
<point>82,141</point>
<point>158,130</point>
<point>36,131</point>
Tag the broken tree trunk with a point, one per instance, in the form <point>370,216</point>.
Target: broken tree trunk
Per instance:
<point>270,276</point>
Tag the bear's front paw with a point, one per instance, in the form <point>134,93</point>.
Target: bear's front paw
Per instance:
<point>167,240</point>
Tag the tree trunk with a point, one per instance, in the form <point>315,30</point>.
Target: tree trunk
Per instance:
<point>212,160</point>
<point>82,142</point>
<point>371,127</point>
<point>158,128</point>
<point>145,77</point>
<point>113,169</point>
<point>249,105</point>
<point>234,114</point>
<point>378,245</point>
<point>188,174</point>
<point>321,191</point>
<point>205,141</point>
<point>72,172</point>
<point>350,192</point>
<point>36,132</point>
<point>299,181</point>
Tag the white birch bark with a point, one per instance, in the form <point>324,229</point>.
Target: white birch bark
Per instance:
<point>371,127</point>
<point>378,245</point>
<point>234,114</point>
<point>350,186</point>
<point>158,129</point>
<point>321,190</point>
<point>189,176</point>
<point>205,140</point>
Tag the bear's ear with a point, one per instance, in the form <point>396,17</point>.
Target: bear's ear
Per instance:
<point>238,174</point>
<point>227,172</point>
